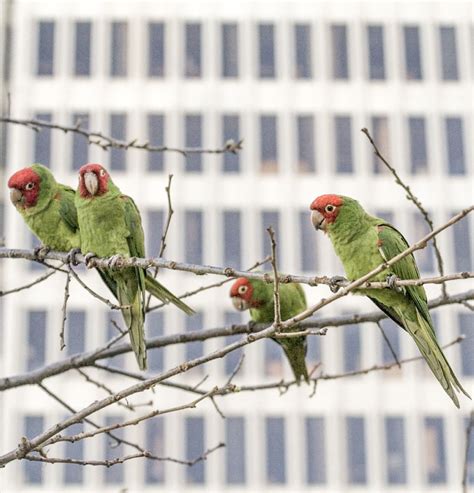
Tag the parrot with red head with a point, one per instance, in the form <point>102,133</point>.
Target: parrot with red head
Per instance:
<point>364,242</point>
<point>257,296</point>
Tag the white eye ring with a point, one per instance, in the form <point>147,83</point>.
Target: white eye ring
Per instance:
<point>242,289</point>
<point>29,186</point>
<point>329,208</point>
<point>102,172</point>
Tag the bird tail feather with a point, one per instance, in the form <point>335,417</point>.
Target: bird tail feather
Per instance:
<point>165,295</point>
<point>295,351</point>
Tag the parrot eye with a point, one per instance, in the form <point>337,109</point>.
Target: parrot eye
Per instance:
<point>242,289</point>
<point>329,208</point>
<point>102,172</point>
<point>29,186</point>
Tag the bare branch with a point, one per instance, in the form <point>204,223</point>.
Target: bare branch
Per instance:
<point>389,344</point>
<point>469,431</point>
<point>40,279</point>
<point>62,344</point>
<point>276,284</point>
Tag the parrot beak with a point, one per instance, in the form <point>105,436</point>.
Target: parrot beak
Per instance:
<point>239,303</point>
<point>91,182</point>
<point>16,197</point>
<point>318,220</point>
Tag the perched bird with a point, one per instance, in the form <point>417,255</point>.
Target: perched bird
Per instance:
<point>46,206</point>
<point>364,242</point>
<point>110,226</point>
<point>257,296</point>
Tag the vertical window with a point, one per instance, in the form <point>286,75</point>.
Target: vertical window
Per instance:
<point>46,31</point>
<point>470,454</point>
<point>307,244</point>
<point>192,57</point>
<point>232,236</point>
<point>74,473</point>
<point>449,55</point>
<point>231,360</point>
<point>118,130</point>
<point>34,243</point>
<point>112,332</point>
<point>118,49</point>
<point>466,323</point>
<point>340,60</point>
<point>266,51</point>
<point>42,142</point>
<point>305,147</point>
<point>273,358</point>
<point>155,443</point>
<point>375,49</point>
<point>462,241</point>
<point>155,323</point>
<point>343,144</point>
<point>352,348</point>
<point>33,471</point>
<point>193,236</point>
<point>413,65</point>
<point>268,144</point>
<point>230,50</point>
<point>417,143</point>
<point>392,332</point>
<point>235,450</point>
<point>455,146</point>
<point>425,257</point>
<point>156,49</point>
<point>231,130</point>
<point>193,129</point>
<point>195,432</point>
<point>271,218</point>
<point>80,143</point>
<point>356,455</point>
<point>156,137</point>
<point>396,462</point>
<point>194,349</point>
<point>82,48</point>
<point>76,332</point>
<point>155,226</point>
<point>36,339</point>
<point>115,474</point>
<point>275,441</point>
<point>303,52</point>
<point>315,450</point>
<point>434,450</point>
<point>380,134</point>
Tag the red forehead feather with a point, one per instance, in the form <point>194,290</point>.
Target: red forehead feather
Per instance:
<point>22,177</point>
<point>323,200</point>
<point>241,281</point>
<point>94,167</point>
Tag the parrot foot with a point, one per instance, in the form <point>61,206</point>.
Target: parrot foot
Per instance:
<point>391,281</point>
<point>71,256</point>
<point>88,257</point>
<point>335,283</point>
<point>115,261</point>
<point>41,251</point>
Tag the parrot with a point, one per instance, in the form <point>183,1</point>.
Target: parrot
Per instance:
<point>110,226</point>
<point>363,242</point>
<point>257,296</point>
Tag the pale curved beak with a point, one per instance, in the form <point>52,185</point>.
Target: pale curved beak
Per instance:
<point>91,182</point>
<point>239,303</point>
<point>16,196</point>
<point>318,220</point>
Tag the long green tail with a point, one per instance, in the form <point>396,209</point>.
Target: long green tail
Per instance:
<point>295,351</point>
<point>163,294</point>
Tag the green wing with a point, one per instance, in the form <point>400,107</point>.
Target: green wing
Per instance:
<point>67,209</point>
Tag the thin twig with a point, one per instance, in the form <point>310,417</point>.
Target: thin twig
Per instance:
<point>276,283</point>
<point>389,344</point>
<point>29,285</point>
<point>62,344</point>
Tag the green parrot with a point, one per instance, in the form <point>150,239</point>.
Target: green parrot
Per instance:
<point>46,206</point>
<point>363,242</point>
<point>257,296</point>
<point>110,226</point>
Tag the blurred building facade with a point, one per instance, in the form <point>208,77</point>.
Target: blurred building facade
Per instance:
<point>296,80</point>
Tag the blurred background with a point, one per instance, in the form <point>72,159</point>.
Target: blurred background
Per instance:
<point>296,80</point>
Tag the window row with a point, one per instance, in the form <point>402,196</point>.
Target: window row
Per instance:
<point>270,449</point>
<point>304,139</point>
<point>303,51</point>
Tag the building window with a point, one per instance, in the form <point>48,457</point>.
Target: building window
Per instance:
<point>195,433</point>
<point>271,218</point>
<point>76,332</point>
<point>155,228</point>
<point>396,462</point>
<point>375,49</point>
<point>193,136</point>
<point>231,360</point>
<point>235,450</point>
<point>268,144</point>
<point>340,60</point>
<point>343,144</point>
<point>266,50</point>
<point>466,324</point>
<point>155,324</point>
<point>462,241</point>
<point>192,57</point>
<point>230,50</point>
<point>36,340</point>
<point>470,454</point>
<point>275,441</point>
<point>417,143</point>
<point>118,49</point>
<point>82,49</point>
<point>303,51</point>
<point>455,146</point>
<point>356,455</point>
<point>33,471</point>
<point>34,243</point>
<point>305,143</point>
<point>193,236</point>
<point>273,359</point>
<point>42,142</point>
<point>118,131</point>
<point>434,450</point>
<point>112,320</point>
<point>315,450</point>
<point>45,53</point>
<point>155,443</point>
<point>80,143</point>
<point>380,134</point>
<point>232,238</point>
<point>449,55</point>
<point>156,49</point>
<point>156,137</point>
<point>425,257</point>
<point>195,349</point>
<point>352,348</point>
<point>74,473</point>
<point>113,449</point>
<point>392,333</point>
<point>308,247</point>
<point>231,131</point>
<point>413,65</point>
